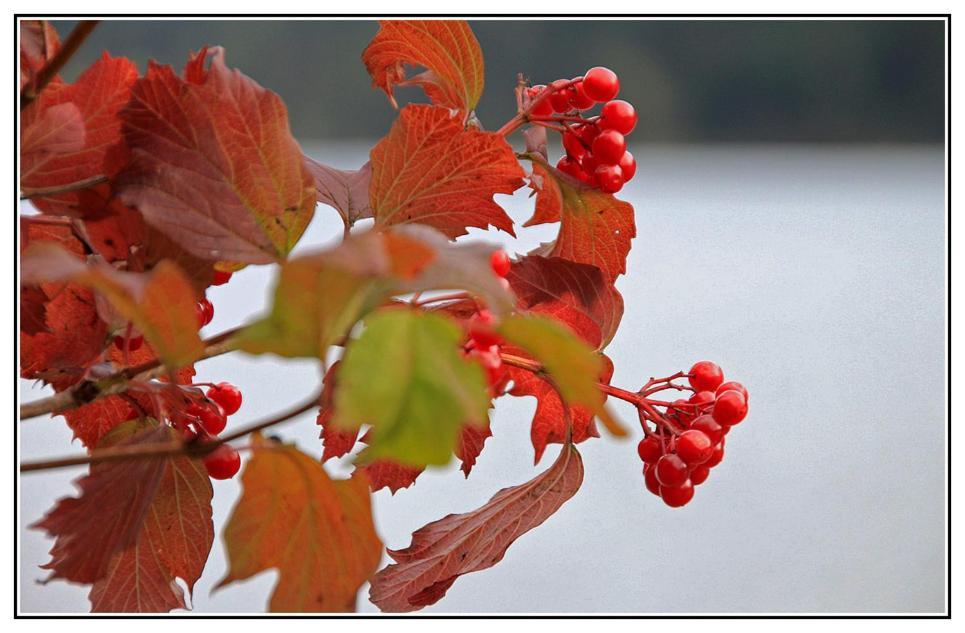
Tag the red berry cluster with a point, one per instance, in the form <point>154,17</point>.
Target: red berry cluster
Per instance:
<point>484,341</point>
<point>596,147</point>
<point>690,435</point>
<point>206,417</point>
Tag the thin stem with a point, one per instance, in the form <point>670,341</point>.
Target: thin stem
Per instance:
<point>523,116</point>
<point>192,449</point>
<point>50,70</point>
<point>38,192</point>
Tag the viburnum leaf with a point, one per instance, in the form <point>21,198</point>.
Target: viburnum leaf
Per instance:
<point>431,170</point>
<point>317,532</point>
<point>406,377</point>
<point>336,442</point>
<point>213,163</point>
<point>39,42</point>
<point>161,304</point>
<point>447,49</point>
<point>320,296</point>
<point>595,227</point>
<point>345,191</point>
<point>459,544</point>
<point>92,102</point>
<point>136,527</point>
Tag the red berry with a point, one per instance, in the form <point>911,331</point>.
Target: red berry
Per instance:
<point>671,470</point>
<point>699,475</point>
<point>707,425</point>
<point>628,164</point>
<point>133,343</point>
<point>560,100</point>
<point>730,408</point>
<point>212,419</point>
<point>732,385</point>
<point>543,108</point>
<point>650,479</point>
<point>588,132</point>
<point>493,364</point>
<point>694,447</point>
<point>705,376</point>
<point>499,262</point>
<point>220,278</point>
<point>223,462</point>
<point>676,496</point>
<point>601,84</point>
<point>609,147</point>
<point>649,450</point>
<point>702,399</point>
<point>618,115</point>
<point>205,312</point>
<point>226,395</point>
<point>588,163</point>
<point>609,178</point>
<point>683,409</point>
<point>578,97</point>
<point>573,145</point>
<point>717,456</point>
<point>481,329</point>
<point>570,166</point>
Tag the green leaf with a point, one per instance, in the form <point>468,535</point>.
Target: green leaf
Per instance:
<point>407,378</point>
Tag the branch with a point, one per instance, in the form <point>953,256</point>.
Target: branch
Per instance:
<point>73,186</point>
<point>87,391</point>
<point>190,449</point>
<point>50,70</point>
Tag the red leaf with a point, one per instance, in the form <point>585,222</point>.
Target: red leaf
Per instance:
<point>136,526</point>
<point>384,473</point>
<point>431,170</point>
<point>33,311</point>
<point>459,544</point>
<point>336,442</point>
<point>345,191</point>
<point>96,96</point>
<point>470,445</point>
<point>214,165</point>
<point>595,227</point>
<point>446,48</point>
<point>576,294</point>
<point>38,44</point>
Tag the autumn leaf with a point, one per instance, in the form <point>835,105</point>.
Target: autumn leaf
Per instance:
<point>161,304</point>
<point>430,170</point>
<point>595,227</point>
<point>447,49</point>
<point>136,527</point>
<point>317,532</point>
<point>459,544</point>
<point>79,125</point>
<point>346,191</point>
<point>406,378</point>
<point>386,473</point>
<point>39,42</point>
<point>213,163</point>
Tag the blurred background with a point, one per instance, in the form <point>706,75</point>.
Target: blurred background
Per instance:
<point>790,201</point>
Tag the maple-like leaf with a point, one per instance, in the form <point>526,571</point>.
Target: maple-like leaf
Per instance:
<point>161,304</point>
<point>595,227</point>
<point>61,111</point>
<point>575,294</point>
<point>136,527</point>
<point>39,42</point>
<point>406,378</point>
<point>459,544</point>
<point>447,49</point>
<point>346,191</point>
<point>317,532</point>
<point>431,170</point>
<point>213,163</point>
<point>386,473</point>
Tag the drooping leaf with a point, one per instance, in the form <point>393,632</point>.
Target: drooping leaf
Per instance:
<point>430,170</point>
<point>317,532</point>
<point>575,294</point>
<point>459,544</point>
<point>136,526</point>
<point>213,163</point>
<point>319,297</point>
<point>345,191</point>
<point>406,378</point>
<point>595,227</point>
<point>447,49</point>
<point>39,42</point>
<point>92,102</point>
<point>161,304</point>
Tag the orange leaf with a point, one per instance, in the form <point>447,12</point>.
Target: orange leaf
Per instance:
<point>317,532</point>
<point>214,165</point>
<point>459,544</point>
<point>447,49</point>
<point>429,169</point>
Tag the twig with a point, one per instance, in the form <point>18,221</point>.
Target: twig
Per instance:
<point>37,192</point>
<point>51,68</point>
<point>192,449</point>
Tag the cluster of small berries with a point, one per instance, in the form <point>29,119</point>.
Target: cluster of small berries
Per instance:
<point>206,419</point>
<point>596,147</point>
<point>690,440</point>
<point>484,341</point>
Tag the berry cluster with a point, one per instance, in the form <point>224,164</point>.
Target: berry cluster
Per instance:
<point>206,418</point>
<point>689,435</point>
<point>596,147</point>
<point>484,341</point>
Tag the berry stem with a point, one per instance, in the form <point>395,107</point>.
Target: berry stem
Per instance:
<point>522,116</point>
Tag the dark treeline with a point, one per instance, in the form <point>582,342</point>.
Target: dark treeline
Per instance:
<point>691,81</point>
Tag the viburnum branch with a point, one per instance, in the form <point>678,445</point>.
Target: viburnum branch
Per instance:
<point>88,391</point>
<point>191,449</point>
<point>37,192</point>
<point>52,67</point>
<point>523,116</point>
